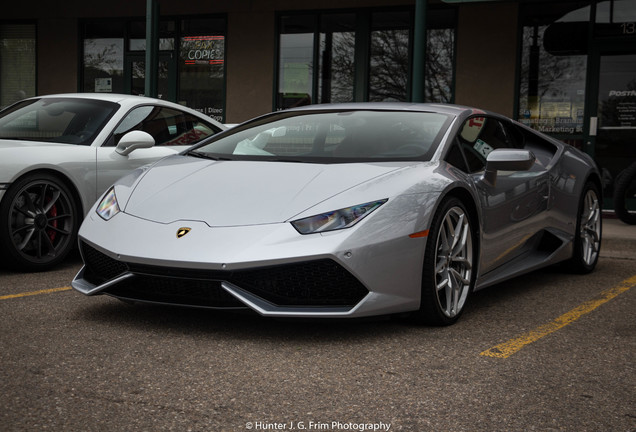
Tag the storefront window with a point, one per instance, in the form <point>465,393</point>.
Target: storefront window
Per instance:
<point>191,63</point>
<point>202,66</point>
<point>103,65</point>
<point>103,57</point>
<point>553,70</point>
<point>389,69</point>
<point>362,56</point>
<point>17,62</point>
<point>137,35</point>
<point>615,18</point>
<point>440,55</point>
<point>337,63</point>
<point>295,67</point>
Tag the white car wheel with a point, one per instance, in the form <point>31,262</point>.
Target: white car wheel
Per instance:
<point>38,223</point>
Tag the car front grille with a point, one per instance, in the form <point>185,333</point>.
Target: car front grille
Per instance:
<point>187,292</point>
<point>100,268</point>
<point>312,283</point>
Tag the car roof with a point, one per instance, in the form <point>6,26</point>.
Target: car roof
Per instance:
<point>128,101</point>
<point>110,97</point>
<point>394,106</point>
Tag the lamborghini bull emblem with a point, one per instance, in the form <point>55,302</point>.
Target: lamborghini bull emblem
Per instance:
<point>183,231</point>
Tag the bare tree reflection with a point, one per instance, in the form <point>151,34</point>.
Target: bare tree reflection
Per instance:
<point>389,65</point>
<point>439,65</point>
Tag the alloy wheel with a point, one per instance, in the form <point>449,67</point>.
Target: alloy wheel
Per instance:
<point>590,227</point>
<point>41,220</point>
<point>454,257</point>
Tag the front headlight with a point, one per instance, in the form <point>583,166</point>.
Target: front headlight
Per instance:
<point>108,206</point>
<point>337,219</point>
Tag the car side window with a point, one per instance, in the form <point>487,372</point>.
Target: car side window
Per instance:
<point>542,149</point>
<point>478,137</point>
<point>61,120</point>
<point>455,157</point>
<point>167,126</point>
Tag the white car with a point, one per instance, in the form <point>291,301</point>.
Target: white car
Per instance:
<point>59,153</point>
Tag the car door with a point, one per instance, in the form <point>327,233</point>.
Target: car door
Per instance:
<point>514,207</point>
<point>173,131</point>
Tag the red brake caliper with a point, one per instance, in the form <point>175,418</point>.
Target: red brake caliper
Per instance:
<point>52,233</point>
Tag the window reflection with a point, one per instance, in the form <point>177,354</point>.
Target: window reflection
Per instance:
<point>337,62</point>
<point>191,63</point>
<point>17,62</point>
<point>295,68</point>
<point>389,64</point>
<point>440,54</point>
<point>362,56</point>
<point>440,46</point>
<point>553,72</point>
<point>104,65</point>
<point>615,18</point>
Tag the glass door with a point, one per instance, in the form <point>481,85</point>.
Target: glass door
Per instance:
<point>135,76</point>
<point>613,114</point>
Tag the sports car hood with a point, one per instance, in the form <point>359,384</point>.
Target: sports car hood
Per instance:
<point>234,193</point>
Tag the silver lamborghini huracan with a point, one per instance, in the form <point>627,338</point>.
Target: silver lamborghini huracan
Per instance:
<point>345,210</point>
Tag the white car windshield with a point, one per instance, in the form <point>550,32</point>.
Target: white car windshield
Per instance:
<point>333,136</point>
<point>60,120</point>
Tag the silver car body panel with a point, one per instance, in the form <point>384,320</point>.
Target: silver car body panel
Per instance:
<point>525,221</point>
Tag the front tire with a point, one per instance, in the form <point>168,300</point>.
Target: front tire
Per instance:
<point>449,265</point>
<point>589,225</point>
<point>39,220</point>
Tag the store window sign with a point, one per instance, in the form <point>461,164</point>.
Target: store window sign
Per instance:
<point>555,117</point>
<point>617,92</point>
<point>103,85</point>
<point>296,78</point>
<point>618,110</point>
<point>198,50</point>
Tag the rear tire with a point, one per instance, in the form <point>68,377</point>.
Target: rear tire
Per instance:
<point>39,219</point>
<point>625,188</point>
<point>589,225</point>
<point>449,265</point>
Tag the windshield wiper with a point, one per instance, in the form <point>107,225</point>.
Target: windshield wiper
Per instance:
<point>286,160</point>
<point>206,156</point>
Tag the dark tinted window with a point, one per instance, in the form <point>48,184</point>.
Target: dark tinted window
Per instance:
<point>481,135</point>
<point>62,120</point>
<point>167,126</point>
<point>455,157</point>
<point>542,149</point>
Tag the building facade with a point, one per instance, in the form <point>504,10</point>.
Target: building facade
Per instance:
<point>567,68</point>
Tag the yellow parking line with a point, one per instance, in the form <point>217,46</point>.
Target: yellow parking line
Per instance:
<point>32,293</point>
<point>508,348</point>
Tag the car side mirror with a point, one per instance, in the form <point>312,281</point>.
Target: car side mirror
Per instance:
<point>507,160</point>
<point>134,140</point>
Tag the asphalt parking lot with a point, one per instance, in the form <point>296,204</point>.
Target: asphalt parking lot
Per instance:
<point>549,351</point>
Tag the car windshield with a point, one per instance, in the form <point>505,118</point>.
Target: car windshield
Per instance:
<point>61,120</point>
<point>332,136</point>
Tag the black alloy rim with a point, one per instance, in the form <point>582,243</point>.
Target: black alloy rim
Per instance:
<point>41,221</point>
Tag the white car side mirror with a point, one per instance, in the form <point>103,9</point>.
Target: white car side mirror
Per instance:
<point>134,140</point>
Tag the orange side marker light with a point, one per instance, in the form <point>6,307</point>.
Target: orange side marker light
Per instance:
<point>419,234</point>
